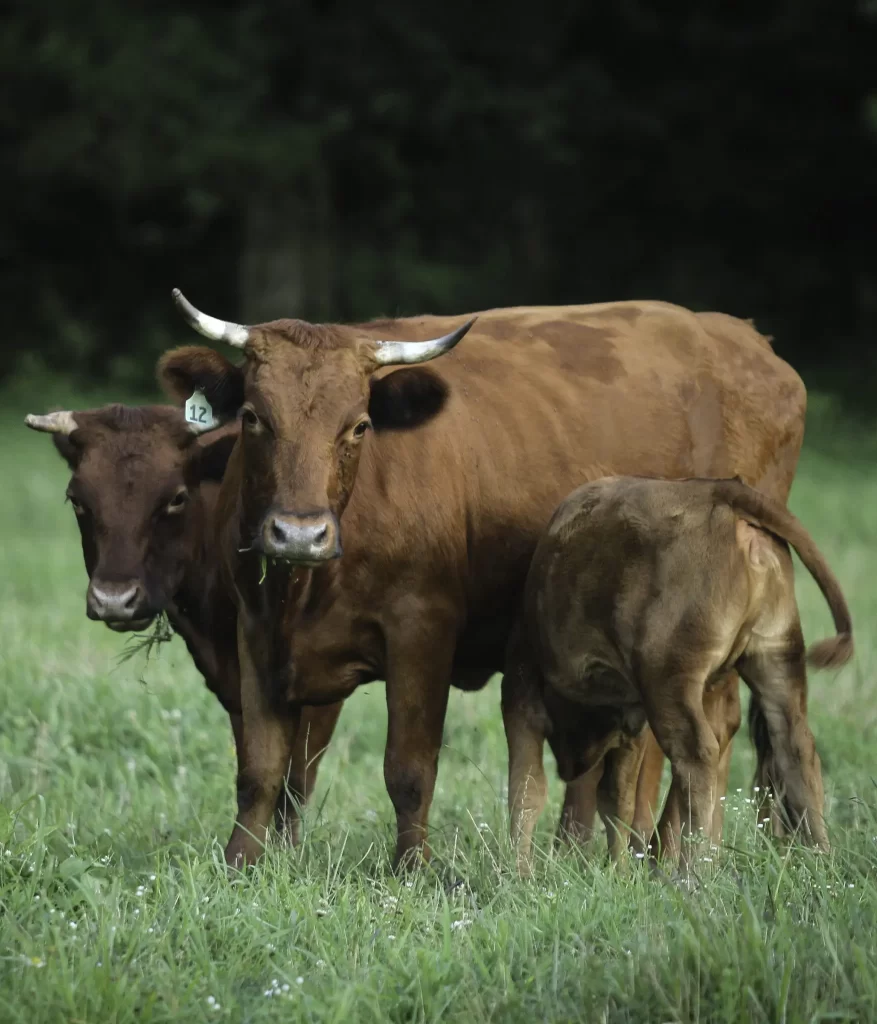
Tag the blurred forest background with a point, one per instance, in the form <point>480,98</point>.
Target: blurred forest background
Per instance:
<point>345,160</point>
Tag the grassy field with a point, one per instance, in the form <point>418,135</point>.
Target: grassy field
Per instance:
<point>117,793</point>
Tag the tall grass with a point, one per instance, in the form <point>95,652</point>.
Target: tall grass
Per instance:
<point>117,792</point>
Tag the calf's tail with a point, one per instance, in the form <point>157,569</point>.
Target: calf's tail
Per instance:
<point>769,515</point>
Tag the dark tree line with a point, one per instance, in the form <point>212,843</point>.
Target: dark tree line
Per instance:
<point>343,160</point>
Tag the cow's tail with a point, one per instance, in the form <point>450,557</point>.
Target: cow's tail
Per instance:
<point>769,515</point>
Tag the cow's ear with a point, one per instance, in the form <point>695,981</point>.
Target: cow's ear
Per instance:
<point>406,398</point>
<point>67,448</point>
<point>182,371</point>
<point>211,452</point>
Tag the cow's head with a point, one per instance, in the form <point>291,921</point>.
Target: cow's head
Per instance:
<point>135,475</point>
<point>306,396</point>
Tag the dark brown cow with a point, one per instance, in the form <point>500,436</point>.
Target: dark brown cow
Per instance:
<point>641,595</point>
<point>144,493</point>
<point>444,499</point>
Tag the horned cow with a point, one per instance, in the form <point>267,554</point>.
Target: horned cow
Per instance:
<point>144,489</point>
<point>435,483</point>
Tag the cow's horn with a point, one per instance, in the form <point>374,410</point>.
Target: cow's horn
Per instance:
<point>209,326</point>
<point>53,422</point>
<point>394,353</point>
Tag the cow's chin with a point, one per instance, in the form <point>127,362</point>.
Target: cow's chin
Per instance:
<point>131,626</point>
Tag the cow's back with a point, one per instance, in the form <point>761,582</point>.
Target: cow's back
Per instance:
<point>542,399</point>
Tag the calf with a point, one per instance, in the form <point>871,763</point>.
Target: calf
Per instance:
<point>144,490</point>
<point>641,595</point>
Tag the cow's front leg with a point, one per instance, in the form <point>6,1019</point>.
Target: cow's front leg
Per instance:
<point>269,731</point>
<point>418,683</point>
<point>312,738</point>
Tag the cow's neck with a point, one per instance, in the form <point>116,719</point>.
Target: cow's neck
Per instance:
<point>280,601</point>
<point>200,607</point>
<point>277,592</point>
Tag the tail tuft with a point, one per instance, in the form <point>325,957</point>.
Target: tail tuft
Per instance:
<point>831,653</point>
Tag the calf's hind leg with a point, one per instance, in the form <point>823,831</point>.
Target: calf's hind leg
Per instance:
<point>721,706</point>
<point>775,670</point>
<point>684,733</point>
<point>616,793</point>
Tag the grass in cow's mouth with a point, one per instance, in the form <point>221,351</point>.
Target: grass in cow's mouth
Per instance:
<point>115,800</point>
<point>145,643</point>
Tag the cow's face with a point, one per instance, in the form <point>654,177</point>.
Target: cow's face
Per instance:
<point>307,400</point>
<point>135,474</point>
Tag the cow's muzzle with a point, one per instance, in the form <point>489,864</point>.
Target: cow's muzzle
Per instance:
<point>123,606</point>
<point>303,540</point>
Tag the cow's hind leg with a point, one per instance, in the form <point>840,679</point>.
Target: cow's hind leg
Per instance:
<point>721,706</point>
<point>775,670</point>
<point>580,807</point>
<point>648,789</point>
<point>312,737</point>
<point>525,724</point>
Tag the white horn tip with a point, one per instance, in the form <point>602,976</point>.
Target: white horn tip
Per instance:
<point>52,423</point>
<point>212,328</point>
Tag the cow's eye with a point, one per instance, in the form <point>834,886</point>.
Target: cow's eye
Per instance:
<point>250,419</point>
<point>360,429</point>
<point>78,507</point>
<point>177,502</point>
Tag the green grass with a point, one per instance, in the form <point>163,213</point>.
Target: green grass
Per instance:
<point>117,793</point>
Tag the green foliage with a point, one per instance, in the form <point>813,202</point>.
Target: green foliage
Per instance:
<point>117,791</point>
<point>396,158</point>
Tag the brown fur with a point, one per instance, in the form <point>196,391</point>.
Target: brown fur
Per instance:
<point>438,523</point>
<point>641,594</point>
<point>125,462</point>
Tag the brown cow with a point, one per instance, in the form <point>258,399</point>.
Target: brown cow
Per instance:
<point>641,595</point>
<point>443,501</point>
<point>144,493</point>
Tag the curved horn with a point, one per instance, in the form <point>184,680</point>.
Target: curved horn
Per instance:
<point>395,353</point>
<point>216,330</point>
<point>52,423</point>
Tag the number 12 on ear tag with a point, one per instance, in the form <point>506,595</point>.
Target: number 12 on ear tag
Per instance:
<point>199,413</point>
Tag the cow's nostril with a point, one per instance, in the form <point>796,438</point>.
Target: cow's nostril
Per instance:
<point>277,531</point>
<point>320,532</point>
<point>132,599</point>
